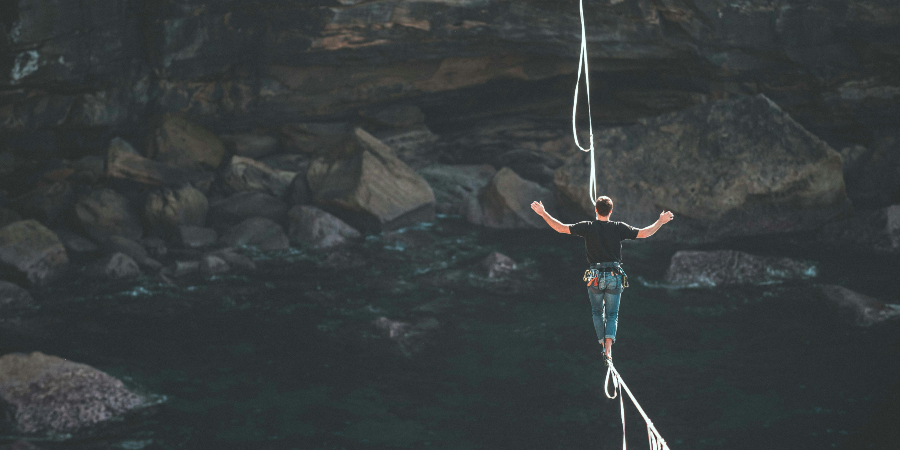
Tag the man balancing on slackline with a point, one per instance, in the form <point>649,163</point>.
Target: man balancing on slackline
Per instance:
<point>603,245</point>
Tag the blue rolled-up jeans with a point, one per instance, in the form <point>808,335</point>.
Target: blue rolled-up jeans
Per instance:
<point>605,304</point>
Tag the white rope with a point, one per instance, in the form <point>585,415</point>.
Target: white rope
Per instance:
<point>583,60</point>
<point>656,440</point>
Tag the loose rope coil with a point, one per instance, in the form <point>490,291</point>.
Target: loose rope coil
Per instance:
<point>583,61</point>
<point>656,440</point>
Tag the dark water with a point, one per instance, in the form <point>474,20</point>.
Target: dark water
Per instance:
<point>288,357</point>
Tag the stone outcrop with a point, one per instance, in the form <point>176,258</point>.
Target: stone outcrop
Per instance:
<point>726,168</point>
<point>729,267</point>
<point>866,310</point>
<point>123,161</point>
<point>30,251</point>
<point>506,202</point>
<point>251,145</point>
<point>497,265</point>
<point>47,395</point>
<point>179,142</point>
<point>311,225</point>
<point>245,174</point>
<point>259,232</point>
<point>117,266</point>
<point>455,185</point>
<point>371,189</point>
<point>244,205</point>
<point>877,230</point>
<point>104,213</point>
<point>166,209</point>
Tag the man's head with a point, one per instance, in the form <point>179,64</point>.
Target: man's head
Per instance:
<point>603,206</point>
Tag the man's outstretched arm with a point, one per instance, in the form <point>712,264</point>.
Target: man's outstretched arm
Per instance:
<point>538,207</point>
<point>664,218</point>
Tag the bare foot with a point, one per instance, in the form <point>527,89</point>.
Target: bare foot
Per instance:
<point>607,346</point>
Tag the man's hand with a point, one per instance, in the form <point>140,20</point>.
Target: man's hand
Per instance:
<point>538,207</point>
<point>666,217</point>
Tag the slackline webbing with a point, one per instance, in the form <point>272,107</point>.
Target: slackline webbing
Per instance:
<point>656,440</point>
<point>583,60</point>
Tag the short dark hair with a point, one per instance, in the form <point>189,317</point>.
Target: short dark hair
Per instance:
<point>603,205</point>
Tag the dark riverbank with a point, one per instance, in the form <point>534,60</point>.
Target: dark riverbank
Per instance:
<point>288,356</point>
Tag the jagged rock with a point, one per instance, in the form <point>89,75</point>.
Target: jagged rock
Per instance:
<point>28,250</point>
<point>244,205</point>
<point>299,192</point>
<point>245,174</point>
<point>8,216</point>
<point>729,267</point>
<point>179,142</point>
<point>411,339</point>
<point>105,212</point>
<point>311,225</point>
<point>398,116</point>
<point>13,296</point>
<point>197,237</point>
<point>497,265</point>
<point>75,243</point>
<point>455,186</point>
<point>315,137</point>
<point>877,230</point>
<point>506,202</point>
<point>182,268</point>
<point>212,264</point>
<point>134,249</point>
<point>167,209</point>
<point>251,145</point>
<point>259,232</point>
<point>46,202</point>
<point>372,189</point>
<point>50,395</point>
<point>156,247</point>
<point>123,161</point>
<point>725,168</point>
<point>867,310</point>
<point>117,266</point>
<point>291,162</point>
<point>234,259</point>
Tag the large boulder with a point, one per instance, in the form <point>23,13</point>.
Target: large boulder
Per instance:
<point>124,162</point>
<point>166,209</point>
<point>104,213</point>
<point>47,395</point>
<point>196,237</point>
<point>30,251</point>
<point>877,230</point>
<point>866,310</point>
<point>259,232</point>
<point>75,243</point>
<point>46,202</point>
<point>245,174</point>
<point>117,266</point>
<point>134,249</point>
<point>736,167</point>
<point>506,202</point>
<point>729,267</point>
<point>311,225</point>
<point>244,205</point>
<point>251,145</point>
<point>13,296</point>
<point>455,185</point>
<point>179,142</point>
<point>372,189</point>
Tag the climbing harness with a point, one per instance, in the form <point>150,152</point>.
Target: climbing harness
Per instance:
<point>591,276</point>
<point>583,60</point>
<point>656,440</point>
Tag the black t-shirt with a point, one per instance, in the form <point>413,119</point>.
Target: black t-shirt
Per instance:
<point>603,240</point>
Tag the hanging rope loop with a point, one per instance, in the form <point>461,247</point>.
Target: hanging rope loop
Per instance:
<point>583,62</point>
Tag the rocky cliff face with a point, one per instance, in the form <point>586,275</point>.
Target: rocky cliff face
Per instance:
<point>492,77</point>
